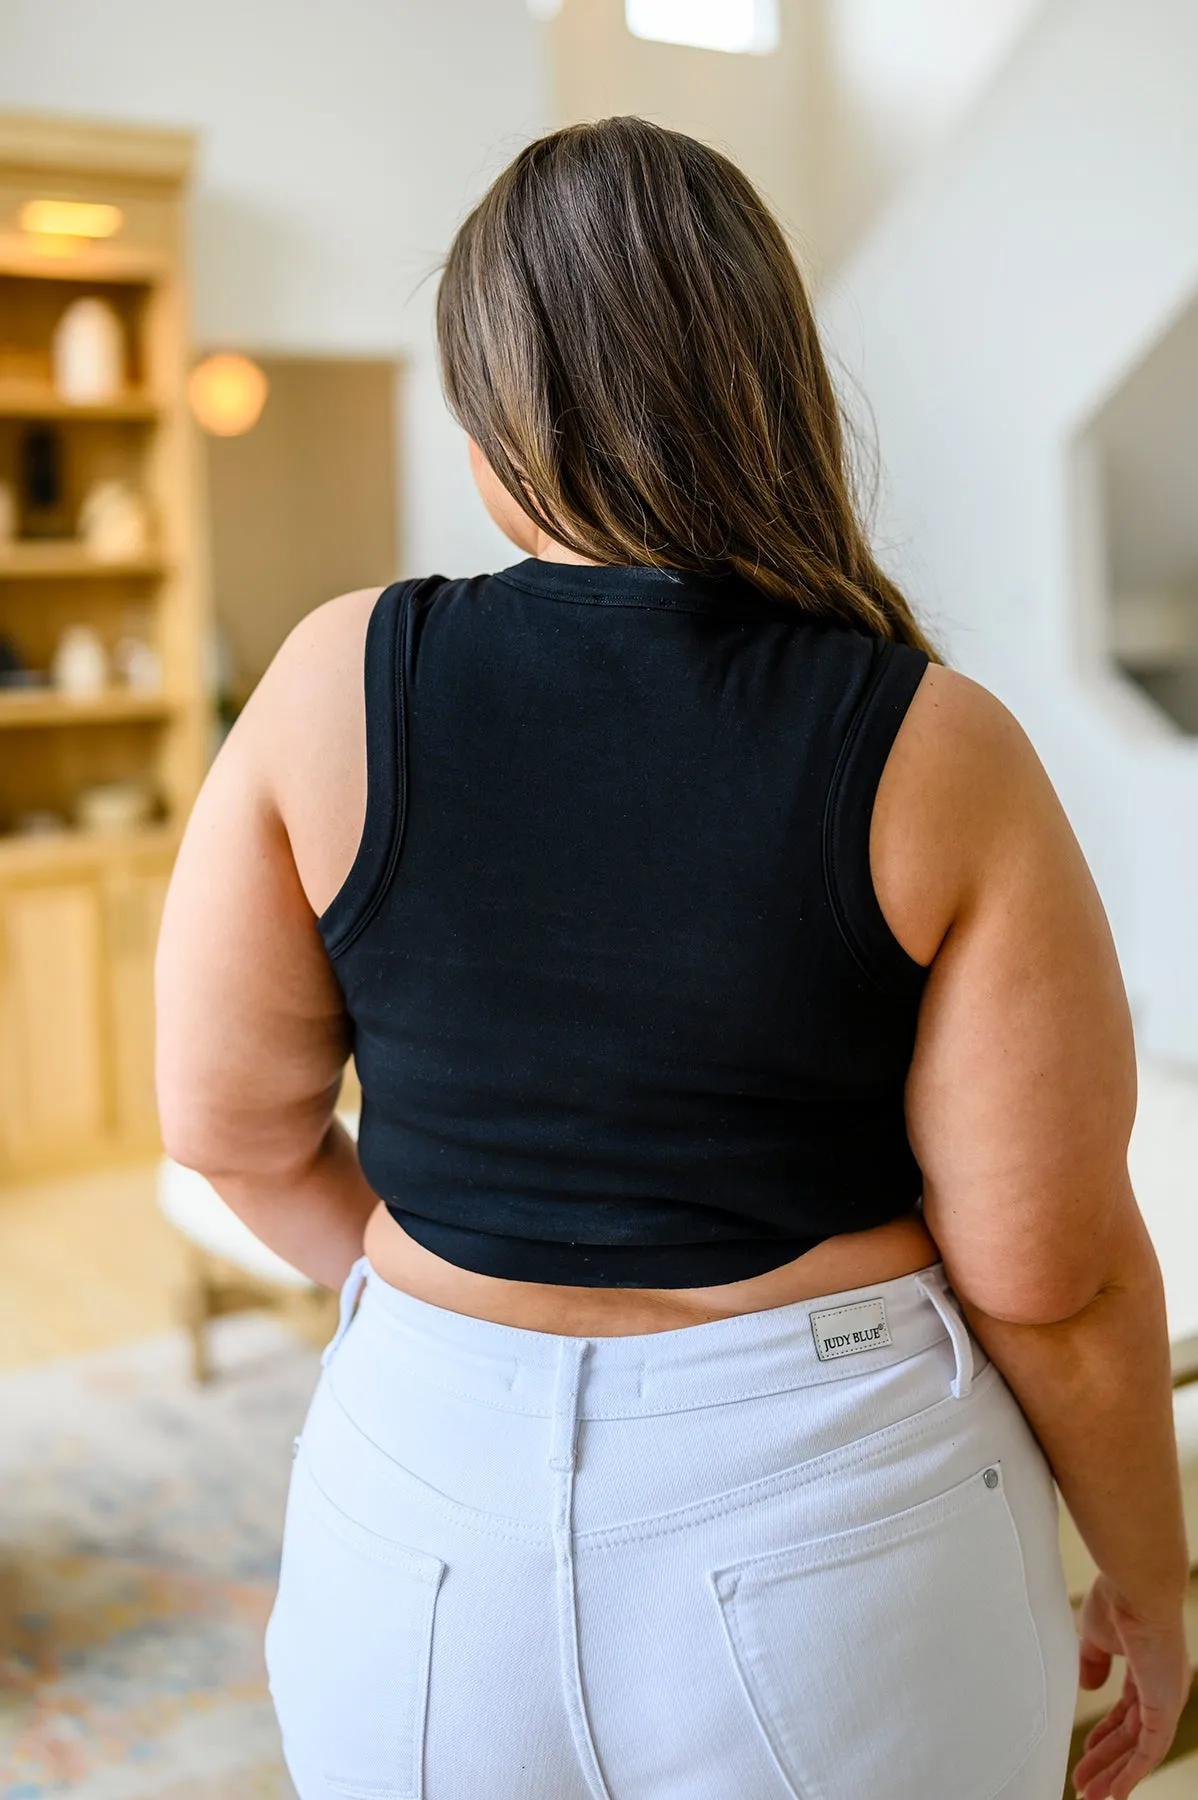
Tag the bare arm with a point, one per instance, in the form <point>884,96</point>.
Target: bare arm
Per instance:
<point>252,1037</point>
<point>1020,1103</point>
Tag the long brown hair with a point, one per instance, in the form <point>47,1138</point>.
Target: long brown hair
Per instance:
<point>626,336</point>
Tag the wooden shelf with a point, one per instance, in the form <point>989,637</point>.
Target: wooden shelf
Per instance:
<point>23,707</point>
<point>99,260</point>
<point>79,909</point>
<point>33,400</point>
<point>58,852</point>
<point>58,558</point>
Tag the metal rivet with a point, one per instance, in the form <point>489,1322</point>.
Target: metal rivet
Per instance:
<point>991,1477</point>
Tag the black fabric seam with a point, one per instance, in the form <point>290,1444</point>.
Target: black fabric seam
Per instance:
<point>666,604</point>
<point>397,743</point>
<point>400,741</point>
<point>887,982</point>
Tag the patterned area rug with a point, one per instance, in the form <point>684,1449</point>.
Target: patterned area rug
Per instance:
<point>140,1520</point>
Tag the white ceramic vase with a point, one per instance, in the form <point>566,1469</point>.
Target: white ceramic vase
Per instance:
<point>113,522</point>
<point>88,352</point>
<point>80,664</point>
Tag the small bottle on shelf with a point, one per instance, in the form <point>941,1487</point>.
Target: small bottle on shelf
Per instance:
<point>80,665</point>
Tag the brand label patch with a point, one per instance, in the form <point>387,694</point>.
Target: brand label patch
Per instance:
<point>843,1330</point>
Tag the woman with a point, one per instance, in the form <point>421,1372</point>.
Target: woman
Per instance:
<point>739,1237</point>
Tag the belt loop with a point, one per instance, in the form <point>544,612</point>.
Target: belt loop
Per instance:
<point>351,1293</point>
<point>940,1294</point>
<point>570,1352</point>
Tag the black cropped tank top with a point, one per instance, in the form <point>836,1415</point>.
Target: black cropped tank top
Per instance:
<point>624,1007</point>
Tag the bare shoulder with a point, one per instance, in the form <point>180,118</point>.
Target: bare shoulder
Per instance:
<point>309,727</point>
<point>961,784</point>
<point>320,654</point>
<point>959,735</point>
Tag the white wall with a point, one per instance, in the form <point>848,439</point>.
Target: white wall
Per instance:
<point>896,77</point>
<point>342,141</point>
<point>997,305</point>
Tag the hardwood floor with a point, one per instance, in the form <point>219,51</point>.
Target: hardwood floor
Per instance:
<point>85,1261</point>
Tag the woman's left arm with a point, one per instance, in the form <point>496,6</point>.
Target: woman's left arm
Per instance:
<point>252,1036</point>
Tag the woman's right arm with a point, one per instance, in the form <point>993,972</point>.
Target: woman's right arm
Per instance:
<point>1020,1103</point>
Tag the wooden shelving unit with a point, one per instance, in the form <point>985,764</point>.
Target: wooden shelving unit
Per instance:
<point>21,400</point>
<point>79,910</point>
<point>31,707</point>
<point>25,562</point>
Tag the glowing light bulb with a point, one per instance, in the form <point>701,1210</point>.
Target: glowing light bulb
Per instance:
<point>70,218</point>
<point>227,393</point>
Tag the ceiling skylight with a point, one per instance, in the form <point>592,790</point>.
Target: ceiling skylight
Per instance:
<point>738,25</point>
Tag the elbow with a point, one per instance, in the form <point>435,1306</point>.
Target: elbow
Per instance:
<point>1043,1303</point>
<point>225,1157</point>
<point>200,1125</point>
<point>227,1143</point>
<point>1062,1289</point>
<point>195,1141</point>
<point>201,1133</point>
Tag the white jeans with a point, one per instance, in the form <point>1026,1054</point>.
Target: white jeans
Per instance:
<point>809,1553</point>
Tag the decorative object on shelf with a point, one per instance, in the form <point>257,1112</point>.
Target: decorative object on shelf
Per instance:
<point>227,393</point>
<point>14,672</point>
<point>114,521</point>
<point>80,665</point>
<point>45,512</point>
<point>114,805</point>
<point>89,352</point>
<point>135,661</point>
<point>8,514</point>
<point>42,822</point>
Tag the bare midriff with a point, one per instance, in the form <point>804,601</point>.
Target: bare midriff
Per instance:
<point>849,1260</point>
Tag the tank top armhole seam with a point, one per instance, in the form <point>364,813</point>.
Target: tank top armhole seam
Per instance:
<point>373,868</point>
<point>870,941</point>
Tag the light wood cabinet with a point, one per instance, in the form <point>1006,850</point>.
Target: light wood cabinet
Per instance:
<point>79,910</point>
<point>132,907</point>
<point>77,1012</point>
<point>52,1008</point>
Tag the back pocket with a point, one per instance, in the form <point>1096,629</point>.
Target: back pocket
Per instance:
<point>897,1658</point>
<point>348,1647</point>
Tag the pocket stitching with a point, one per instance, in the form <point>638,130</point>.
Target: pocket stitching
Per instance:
<point>895,1528</point>
<point>421,1564</point>
<point>740,1661</point>
<point>423,1567</point>
<point>837,1461</point>
<point>725,1584</point>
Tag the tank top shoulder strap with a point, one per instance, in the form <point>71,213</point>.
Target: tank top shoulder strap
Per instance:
<point>891,681</point>
<point>384,666</point>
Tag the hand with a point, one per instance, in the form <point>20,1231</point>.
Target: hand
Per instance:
<point>1134,1737</point>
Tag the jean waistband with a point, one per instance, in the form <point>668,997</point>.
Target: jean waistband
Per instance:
<point>807,1342</point>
